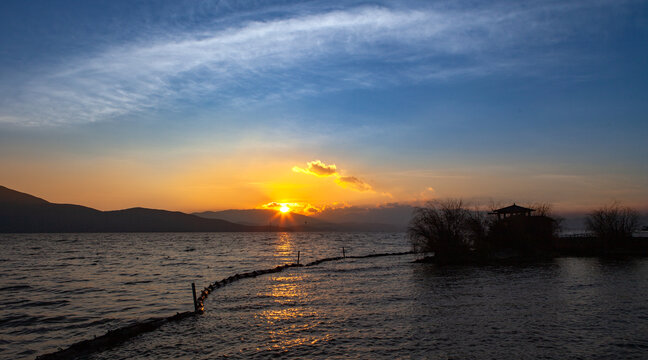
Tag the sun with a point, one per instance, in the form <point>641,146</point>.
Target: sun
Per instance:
<point>284,209</point>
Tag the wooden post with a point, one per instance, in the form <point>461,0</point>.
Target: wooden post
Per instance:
<point>343,253</point>
<point>193,289</point>
<point>298,253</point>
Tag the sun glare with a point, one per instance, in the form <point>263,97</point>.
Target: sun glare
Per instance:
<point>284,209</point>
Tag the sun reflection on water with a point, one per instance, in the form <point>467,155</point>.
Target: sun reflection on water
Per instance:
<point>290,322</point>
<point>284,248</point>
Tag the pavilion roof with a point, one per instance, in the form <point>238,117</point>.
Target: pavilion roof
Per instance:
<point>513,209</point>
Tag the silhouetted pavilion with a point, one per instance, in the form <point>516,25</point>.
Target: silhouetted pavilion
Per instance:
<point>513,210</point>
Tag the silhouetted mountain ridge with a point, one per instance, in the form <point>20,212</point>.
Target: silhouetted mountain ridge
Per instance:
<point>21,213</point>
<point>24,213</point>
<point>298,222</point>
<point>261,217</point>
<point>9,196</point>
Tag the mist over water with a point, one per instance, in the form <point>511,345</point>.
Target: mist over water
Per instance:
<point>58,289</point>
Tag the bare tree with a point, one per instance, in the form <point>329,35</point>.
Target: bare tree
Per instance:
<point>445,228</point>
<point>547,210</point>
<point>613,223</point>
<point>542,209</point>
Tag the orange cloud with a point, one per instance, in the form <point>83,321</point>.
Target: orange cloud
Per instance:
<point>320,169</point>
<point>311,210</point>
<point>317,168</point>
<point>352,182</point>
<point>296,207</point>
<point>272,205</point>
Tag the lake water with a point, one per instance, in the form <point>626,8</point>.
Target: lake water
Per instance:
<point>57,289</point>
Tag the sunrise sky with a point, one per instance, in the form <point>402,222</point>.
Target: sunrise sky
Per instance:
<point>209,105</point>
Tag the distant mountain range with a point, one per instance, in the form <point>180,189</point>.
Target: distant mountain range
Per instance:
<point>24,213</point>
<point>298,222</point>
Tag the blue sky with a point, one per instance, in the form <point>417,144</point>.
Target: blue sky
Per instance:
<point>548,99</point>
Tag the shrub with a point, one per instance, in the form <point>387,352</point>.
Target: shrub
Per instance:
<point>445,228</point>
<point>612,224</point>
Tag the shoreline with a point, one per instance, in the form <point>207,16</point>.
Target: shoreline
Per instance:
<point>570,246</point>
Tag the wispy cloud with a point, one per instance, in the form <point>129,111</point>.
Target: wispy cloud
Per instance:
<point>366,46</point>
<point>320,169</point>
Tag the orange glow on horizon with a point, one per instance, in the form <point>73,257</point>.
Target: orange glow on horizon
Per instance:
<point>284,208</point>
<point>205,184</point>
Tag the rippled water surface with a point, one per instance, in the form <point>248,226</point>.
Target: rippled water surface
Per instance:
<point>59,289</point>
